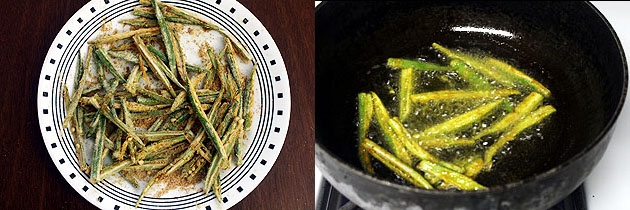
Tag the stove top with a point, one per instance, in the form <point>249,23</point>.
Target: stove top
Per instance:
<point>331,199</point>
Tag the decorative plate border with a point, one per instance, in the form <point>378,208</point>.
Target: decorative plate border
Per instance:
<point>266,136</point>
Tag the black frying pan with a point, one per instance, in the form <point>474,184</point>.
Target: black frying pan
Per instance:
<point>568,46</point>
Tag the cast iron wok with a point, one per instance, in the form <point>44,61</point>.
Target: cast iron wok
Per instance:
<point>568,46</point>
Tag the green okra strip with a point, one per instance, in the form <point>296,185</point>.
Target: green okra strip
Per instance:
<point>457,95</point>
<point>196,169</point>
<point>190,123</point>
<point>166,36</point>
<point>80,70</point>
<point>172,151</point>
<point>108,143</point>
<point>155,96</point>
<point>125,35</point>
<point>187,16</point>
<point>203,118</point>
<point>238,152</point>
<point>179,100</point>
<point>399,63</point>
<point>78,143</point>
<point>114,168</point>
<point>127,113</point>
<point>392,143</point>
<point>107,112</point>
<point>232,112</point>
<point>458,122</point>
<point>157,53</point>
<point>445,186</point>
<point>199,69</point>
<point>177,163</point>
<point>207,92</point>
<point>156,125</point>
<point>446,142</point>
<point>94,124</point>
<point>216,162</point>
<point>92,88</point>
<point>396,165</point>
<point>117,145</point>
<point>149,13</point>
<point>103,155</point>
<point>518,76</point>
<point>159,134</point>
<point>101,76</point>
<point>149,165</point>
<point>132,153</point>
<point>458,180</point>
<point>131,179</point>
<point>366,111</point>
<point>474,167</point>
<point>172,119</point>
<point>236,126</point>
<point>76,96</point>
<point>152,61</point>
<point>434,180</point>
<point>203,151</point>
<point>105,60</point>
<point>160,147</point>
<point>406,88</point>
<point>140,22</point>
<point>122,150</point>
<point>132,58</point>
<point>66,98</point>
<point>248,99</point>
<point>414,148</point>
<point>233,63</point>
<point>170,74</point>
<point>223,109</point>
<point>186,168</point>
<point>529,104</point>
<point>207,99</point>
<point>238,47</point>
<point>143,67</point>
<point>179,59</point>
<point>133,78</point>
<point>226,82</point>
<point>97,162</point>
<point>148,101</point>
<point>480,66</point>
<point>78,117</point>
<point>212,115</point>
<point>172,16</point>
<point>150,114</point>
<point>175,124</point>
<point>125,55</point>
<point>209,81</point>
<point>475,80</point>
<point>125,46</point>
<point>216,188</point>
<point>138,107</point>
<point>530,120</point>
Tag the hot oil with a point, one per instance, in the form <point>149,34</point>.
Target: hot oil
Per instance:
<point>424,115</point>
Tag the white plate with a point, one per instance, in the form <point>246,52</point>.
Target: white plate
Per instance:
<point>265,139</point>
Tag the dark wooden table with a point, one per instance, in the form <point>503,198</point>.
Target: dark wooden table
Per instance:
<point>28,177</point>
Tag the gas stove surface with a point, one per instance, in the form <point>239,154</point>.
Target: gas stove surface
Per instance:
<point>331,199</point>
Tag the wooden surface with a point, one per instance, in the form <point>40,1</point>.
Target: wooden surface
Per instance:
<point>28,177</point>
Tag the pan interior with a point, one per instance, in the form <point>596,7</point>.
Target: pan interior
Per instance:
<point>564,45</point>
